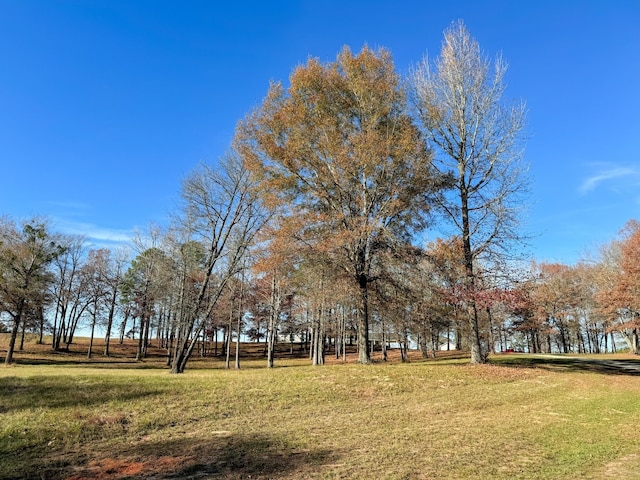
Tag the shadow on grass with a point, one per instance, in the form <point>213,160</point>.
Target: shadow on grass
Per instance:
<point>221,455</point>
<point>67,391</point>
<point>573,364</point>
<point>94,363</point>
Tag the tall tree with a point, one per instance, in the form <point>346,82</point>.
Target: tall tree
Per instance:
<point>95,272</point>
<point>339,150</point>
<point>113,278</point>
<point>223,214</point>
<point>143,284</point>
<point>68,289</point>
<point>477,137</point>
<point>276,258</point>
<point>25,257</point>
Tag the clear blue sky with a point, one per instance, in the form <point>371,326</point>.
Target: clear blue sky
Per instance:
<point>105,106</point>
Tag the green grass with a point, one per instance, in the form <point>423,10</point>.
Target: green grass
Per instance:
<point>517,418</point>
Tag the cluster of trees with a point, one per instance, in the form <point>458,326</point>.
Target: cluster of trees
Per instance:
<point>309,230</point>
<point>173,286</point>
<point>578,308</point>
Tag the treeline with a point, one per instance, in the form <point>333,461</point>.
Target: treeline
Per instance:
<point>308,230</point>
<point>54,283</point>
<point>563,308</point>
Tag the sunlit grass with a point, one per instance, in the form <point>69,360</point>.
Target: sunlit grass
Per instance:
<point>427,419</point>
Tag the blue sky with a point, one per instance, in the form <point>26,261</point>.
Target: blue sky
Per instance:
<point>105,106</point>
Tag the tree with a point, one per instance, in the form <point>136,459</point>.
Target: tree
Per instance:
<point>25,257</point>
<point>103,273</point>
<point>618,282</point>
<point>223,213</point>
<point>114,277</point>
<point>143,285</point>
<point>338,151</point>
<point>275,259</point>
<point>95,272</point>
<point>445,272</point>
<point>68,289</point>
<point>477,138</point>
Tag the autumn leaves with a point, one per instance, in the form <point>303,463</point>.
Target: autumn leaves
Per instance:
<point>343,153</point>
<point>339,151</point>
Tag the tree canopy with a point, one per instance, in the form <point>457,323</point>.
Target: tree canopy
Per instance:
<point>340,153</point>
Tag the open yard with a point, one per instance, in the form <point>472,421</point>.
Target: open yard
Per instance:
<point>519,417</point>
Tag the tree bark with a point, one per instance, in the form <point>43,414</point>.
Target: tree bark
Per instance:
<point>273,316</point>
<point>112,308</point>
<point>17,320</point>
<point>93,327</point>
<point>24,327</point>
<point>363,321</point>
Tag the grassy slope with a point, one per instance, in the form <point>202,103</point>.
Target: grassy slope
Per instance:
<point>426,419</point>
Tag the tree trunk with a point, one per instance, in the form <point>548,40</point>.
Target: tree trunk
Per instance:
<point>41,325</point>
<point>93,327</point>
<point>227,362</point>
<point>170,339</point>
<point>458,334</point>
<point>634,341</point>
<point>237,362</point>
<point>344,336</point>
<point>55,325</point>
<point>24,326</point>
<point>472,310</point>
<point>112,309</point>
<point>363,321</point>
<point>17,320</point>
<point>317,345</point>
<point>492,343</point>
<point>123,327</point>
<point>273,316</point>
<point>57,338</point>
<point>384,342</point>
<point>141,336</point>
<point>145,342</point>
<point>613,344</point>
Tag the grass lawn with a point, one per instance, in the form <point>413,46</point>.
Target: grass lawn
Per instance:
<point>519,417</point>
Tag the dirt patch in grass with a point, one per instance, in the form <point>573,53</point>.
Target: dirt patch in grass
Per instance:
<point>113,468</point>
<point>627,466</point>
<point>221,456</point>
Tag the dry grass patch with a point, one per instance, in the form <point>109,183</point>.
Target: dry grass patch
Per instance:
<point>517,418</point>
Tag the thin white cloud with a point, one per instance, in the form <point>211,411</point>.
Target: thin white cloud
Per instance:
<point>93,233</point>
<point>605,175</point>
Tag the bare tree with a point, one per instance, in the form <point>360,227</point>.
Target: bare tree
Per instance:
<point>114,279</point>
<point>95,272</point>
<point>477,138</point>
<point>67,291</point>
<point>223,213</point>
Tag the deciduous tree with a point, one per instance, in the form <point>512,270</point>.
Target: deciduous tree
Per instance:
<point>25,257</point>
<point>338,148</point>
<point>477,138</point>
<point>68,289</point>
<point>223,213</point>
<point>619,284</point>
